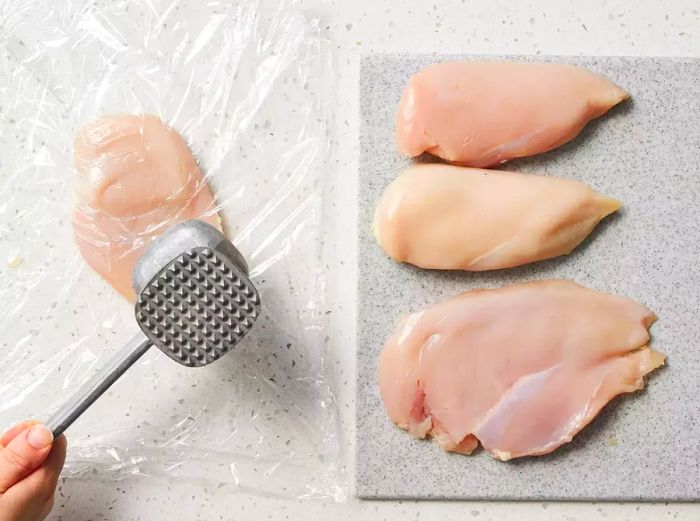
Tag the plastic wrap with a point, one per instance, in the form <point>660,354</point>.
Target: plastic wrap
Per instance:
<point>246,85</point>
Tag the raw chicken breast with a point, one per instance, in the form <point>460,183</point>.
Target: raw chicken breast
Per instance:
<point>136,178</point>
<point>520,369</point>
<point>485,113</point>
<point>449,217</point>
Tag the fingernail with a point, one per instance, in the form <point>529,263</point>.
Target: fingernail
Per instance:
<point>39,437</point>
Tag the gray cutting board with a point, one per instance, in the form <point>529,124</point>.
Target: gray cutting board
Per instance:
<point>646,153</point>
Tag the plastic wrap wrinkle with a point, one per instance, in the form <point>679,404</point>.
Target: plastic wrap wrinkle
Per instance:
<point>246,84</point>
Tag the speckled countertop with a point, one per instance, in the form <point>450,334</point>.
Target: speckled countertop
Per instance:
<point>600,27</point>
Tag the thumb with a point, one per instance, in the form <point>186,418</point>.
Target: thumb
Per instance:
<point>24,454</point>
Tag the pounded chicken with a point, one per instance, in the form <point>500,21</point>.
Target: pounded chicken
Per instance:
<point>136,178</point>
<point>448,217</point>
<point>520,369</point>
<point>485,113</point>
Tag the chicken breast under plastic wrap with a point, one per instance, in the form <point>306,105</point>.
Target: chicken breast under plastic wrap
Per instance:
<point>136,178</point>
<point>448,217</point>
<point>520,369</point>
<point>485,113</point>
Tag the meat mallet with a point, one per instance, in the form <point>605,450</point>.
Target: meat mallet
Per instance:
<point>195,303</point>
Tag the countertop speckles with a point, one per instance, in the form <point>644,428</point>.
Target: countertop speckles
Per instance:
<point>471,26</point>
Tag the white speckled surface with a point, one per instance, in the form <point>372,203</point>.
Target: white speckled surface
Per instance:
<point>644,153</point>
<point>644,27</point>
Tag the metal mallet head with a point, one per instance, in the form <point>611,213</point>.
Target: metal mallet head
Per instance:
<point>195,303</point>
<point>199,305</point>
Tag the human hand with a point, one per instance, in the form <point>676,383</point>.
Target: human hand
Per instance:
<point>30,463</point>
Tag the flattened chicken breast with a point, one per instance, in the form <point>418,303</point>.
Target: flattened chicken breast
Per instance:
<point>136,178</point>
<point>520,369</point>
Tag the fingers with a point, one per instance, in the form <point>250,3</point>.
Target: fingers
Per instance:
<point>46,476</point>
<point>50,470</point>
<point>24,454</point>
<point>41,484</point>
<point>14,431</point>
<point>32,498</point>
